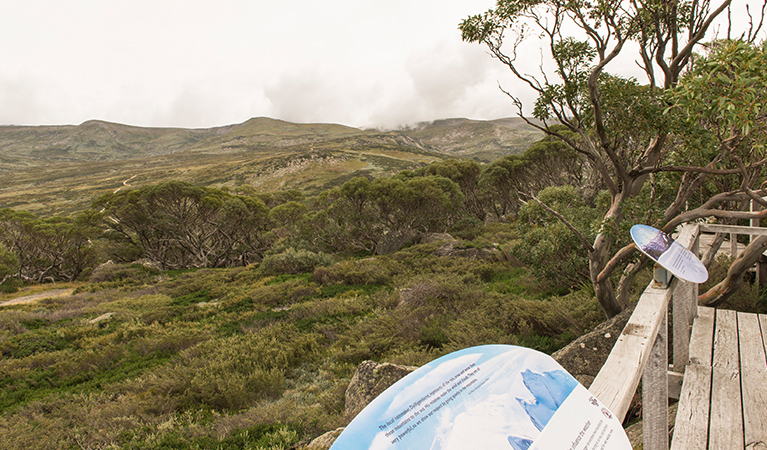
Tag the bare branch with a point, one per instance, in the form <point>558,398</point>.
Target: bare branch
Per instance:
<point>564,221</point>
<point>618,259</point>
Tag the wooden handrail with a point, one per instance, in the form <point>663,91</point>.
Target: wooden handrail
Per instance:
<point>641,352</point>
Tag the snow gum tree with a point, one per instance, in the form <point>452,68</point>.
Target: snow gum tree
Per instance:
<point>697,117</point>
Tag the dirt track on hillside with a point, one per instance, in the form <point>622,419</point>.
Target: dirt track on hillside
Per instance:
<point>38,296</point>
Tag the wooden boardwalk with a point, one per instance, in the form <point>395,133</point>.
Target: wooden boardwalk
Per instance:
<point>723,404</point>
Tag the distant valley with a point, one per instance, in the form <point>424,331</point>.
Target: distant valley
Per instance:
<point>54,170</point>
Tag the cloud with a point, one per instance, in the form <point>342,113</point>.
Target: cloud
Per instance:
<point>307,96</point>
<point>443,75</point>
<point>21,101</point>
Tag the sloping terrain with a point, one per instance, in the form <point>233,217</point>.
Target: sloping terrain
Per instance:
<point>483,141</point>
<point>60,169</point>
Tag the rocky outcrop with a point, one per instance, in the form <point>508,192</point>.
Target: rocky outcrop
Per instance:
<point>323,442</point>
<point>368,382</point>
<point>585,356</point>
<point>394,241</point>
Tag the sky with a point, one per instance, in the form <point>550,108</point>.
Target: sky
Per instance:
<point>198,64</point>
<point>205,63</point>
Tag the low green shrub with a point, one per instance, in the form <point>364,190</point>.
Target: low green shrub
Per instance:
<point>10,285</point>
<point>356,272</point>
<point>281,294</point>
<point>293,261</point>
<point>230,373</point>
<point>271,436</point>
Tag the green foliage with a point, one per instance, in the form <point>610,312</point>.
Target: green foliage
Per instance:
<point>723,96</point>
<point>50,249</point>
<point>546,163</point>
<point>466,174</point>
<point>197,358</point>
<point>362,213</point>
<point>284,293</point>
<point>9,265</point>
<point>553,252</point>
<point>121,275</point>
<point>356,272</point>
<point>293,261</point>
<point>231,372</point>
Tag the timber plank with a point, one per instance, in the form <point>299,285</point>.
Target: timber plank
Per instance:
<point>753,365</point>
<point>726,427</point>
<point>691,425</point>
<point>702,338</point>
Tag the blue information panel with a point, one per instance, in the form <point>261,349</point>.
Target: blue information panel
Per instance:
<point>670,254</point>
<point>487,397</point>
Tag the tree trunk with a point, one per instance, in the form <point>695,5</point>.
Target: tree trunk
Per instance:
<point>603,289</point>
<point>734,278</point>
<point>710,254</point>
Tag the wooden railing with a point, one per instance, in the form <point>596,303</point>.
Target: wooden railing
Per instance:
<point>641,351</point>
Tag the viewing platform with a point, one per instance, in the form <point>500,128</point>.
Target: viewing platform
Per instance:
<point>718,362</point>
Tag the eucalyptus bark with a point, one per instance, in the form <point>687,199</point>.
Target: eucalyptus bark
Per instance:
<point>734,278</point>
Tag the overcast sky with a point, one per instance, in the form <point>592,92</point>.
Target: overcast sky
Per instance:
<point>204,63</point>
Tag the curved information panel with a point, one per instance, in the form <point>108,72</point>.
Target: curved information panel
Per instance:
<point>488,397</point>
<point>670,254</point>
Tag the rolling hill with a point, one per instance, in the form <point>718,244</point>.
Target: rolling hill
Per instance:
<point>52,170</point>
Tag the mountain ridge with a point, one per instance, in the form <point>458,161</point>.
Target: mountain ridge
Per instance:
<point>55,169</point>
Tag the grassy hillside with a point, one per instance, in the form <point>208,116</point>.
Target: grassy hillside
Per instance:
<point>236,358</point>
<point>483,141</point>
<point>53,170</point>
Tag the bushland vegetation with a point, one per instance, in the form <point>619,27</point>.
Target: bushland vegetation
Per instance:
<point>244,357</point>
<point>257,351</point>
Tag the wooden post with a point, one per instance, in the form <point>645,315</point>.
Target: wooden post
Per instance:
<point>761,266</point>
<point>761,270</point>
<point>661,276</point>
<point>655,394</point>
<point>682,299</point>
<point>684,303</point>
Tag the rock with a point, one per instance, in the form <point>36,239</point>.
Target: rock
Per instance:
<point>585,356</point>
<point>324,441</point>
<point>101,272</point>
<point>368,382</point>
<point>392,242</point>
<point>634,431</point>
<point>101,318</point>
<point>150,264</point>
